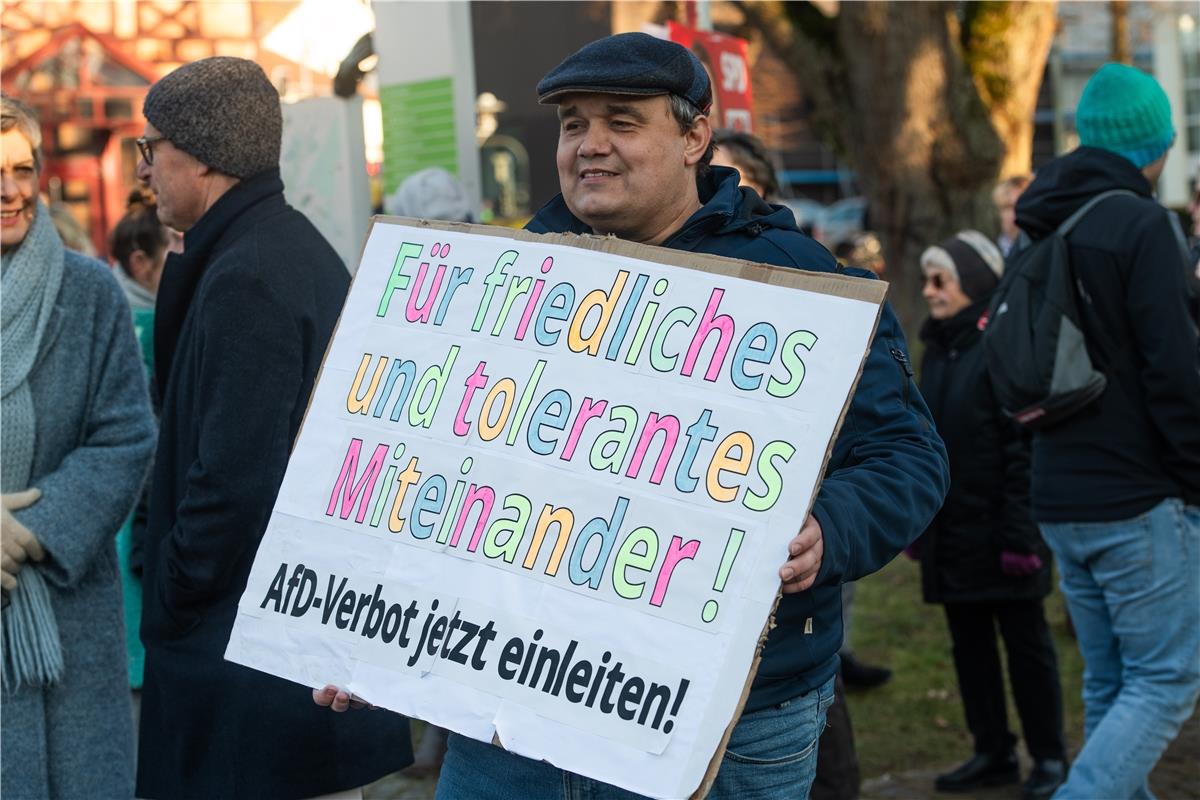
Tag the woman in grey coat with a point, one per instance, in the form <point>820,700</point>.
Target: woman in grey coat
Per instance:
<point>77,438</point>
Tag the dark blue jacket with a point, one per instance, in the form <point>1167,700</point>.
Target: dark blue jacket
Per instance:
<point>887,475</point>
<point>244,315</point>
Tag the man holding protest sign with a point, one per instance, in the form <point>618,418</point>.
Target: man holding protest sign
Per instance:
<point>633,160</point>
<point>244,315</point>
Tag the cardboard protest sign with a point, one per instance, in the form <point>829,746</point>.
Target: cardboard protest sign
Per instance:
<point>544,487</point>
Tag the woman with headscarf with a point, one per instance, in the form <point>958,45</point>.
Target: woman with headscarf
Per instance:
<point>77,438</point>
<point>982,556</point>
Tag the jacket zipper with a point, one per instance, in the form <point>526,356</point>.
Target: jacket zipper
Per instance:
<point>902,359</point>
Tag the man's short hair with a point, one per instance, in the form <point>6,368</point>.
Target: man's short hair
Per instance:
<point>685,115</point>
<point>15,114</point>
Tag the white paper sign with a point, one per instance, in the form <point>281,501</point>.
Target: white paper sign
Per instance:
<point>542,491</point>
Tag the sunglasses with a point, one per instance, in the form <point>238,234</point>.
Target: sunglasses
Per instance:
<point>937,279</point>
<point>145,146</point>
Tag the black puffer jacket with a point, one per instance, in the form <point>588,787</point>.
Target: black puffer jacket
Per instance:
<point>987,509</point>
<point>1139,443</point>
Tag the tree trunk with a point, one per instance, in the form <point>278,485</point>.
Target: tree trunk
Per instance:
<point>1119,11</point>
<point>1007,48</point>
<point>898,86</point>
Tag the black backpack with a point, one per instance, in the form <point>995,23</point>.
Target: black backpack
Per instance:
<point>1033,344</point>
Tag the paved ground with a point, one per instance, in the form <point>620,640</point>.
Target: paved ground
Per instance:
<point>1177,777</point>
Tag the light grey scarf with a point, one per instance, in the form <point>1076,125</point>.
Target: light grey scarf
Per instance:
<point>139,297</point>
<point>30,279</point>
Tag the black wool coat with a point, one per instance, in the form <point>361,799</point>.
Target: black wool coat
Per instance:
<point>987,508</point>
<point>243,319</point>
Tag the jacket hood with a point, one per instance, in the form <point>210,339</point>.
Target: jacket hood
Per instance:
<point>1067,182</point>
<point>726,208</point>
<point>729,207</point>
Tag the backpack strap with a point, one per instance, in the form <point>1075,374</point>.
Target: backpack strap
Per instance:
<point>1082,211</point>
<point>1023,239</point>
<point>1115,353</point>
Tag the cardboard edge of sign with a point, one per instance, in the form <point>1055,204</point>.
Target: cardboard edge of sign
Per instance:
<point>870,291</point>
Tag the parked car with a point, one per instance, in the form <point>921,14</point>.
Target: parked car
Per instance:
<point>807,212</point>
<point>841,221</point>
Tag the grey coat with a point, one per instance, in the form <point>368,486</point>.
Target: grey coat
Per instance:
<point>94,435</point>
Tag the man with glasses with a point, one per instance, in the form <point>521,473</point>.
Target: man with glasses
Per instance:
<point>244,315</point>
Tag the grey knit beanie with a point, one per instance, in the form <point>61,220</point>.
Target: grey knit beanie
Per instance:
<point>221,110</point>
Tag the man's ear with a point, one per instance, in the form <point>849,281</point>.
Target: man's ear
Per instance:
<point>696,141</point>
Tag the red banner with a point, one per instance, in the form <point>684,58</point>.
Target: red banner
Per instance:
<point>725,58</point>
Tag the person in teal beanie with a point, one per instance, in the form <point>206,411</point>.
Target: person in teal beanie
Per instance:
<point>1115,489</point>
<point>1125,111</point>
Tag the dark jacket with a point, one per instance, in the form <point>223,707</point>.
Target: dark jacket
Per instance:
<point>1139,443</point>
<point>243,319</point>
<point>987,508</point>
<point>887,473</point>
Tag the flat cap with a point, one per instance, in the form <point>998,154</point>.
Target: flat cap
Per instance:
<point>630,63</point>
<point>223,111</point>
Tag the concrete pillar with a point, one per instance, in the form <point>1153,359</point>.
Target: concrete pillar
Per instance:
<point>1168,69</point>
<point>427,90</point>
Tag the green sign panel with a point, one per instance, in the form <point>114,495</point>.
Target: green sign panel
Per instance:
<point>418,129</point>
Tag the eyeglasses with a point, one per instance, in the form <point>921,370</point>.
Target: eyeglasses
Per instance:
<point>145,145</point>
<point>937,279</point>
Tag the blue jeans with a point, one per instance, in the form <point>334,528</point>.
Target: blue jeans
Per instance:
<point>1133,589</point>
<point>772,755</point>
